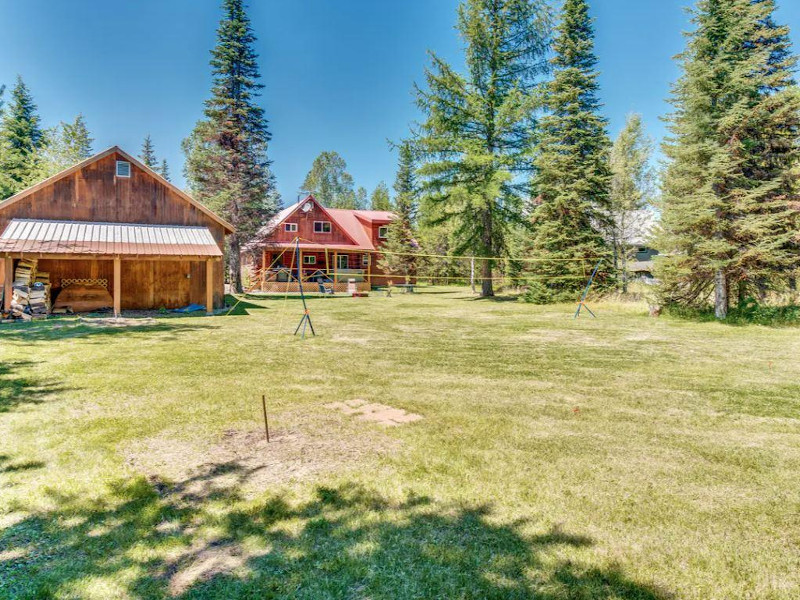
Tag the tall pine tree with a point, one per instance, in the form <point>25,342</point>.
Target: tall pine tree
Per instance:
<point>572,175</point>
<point>164,170</point>
<point>65,146</point>
<point>476,136</point>
<point>729,187</point>
<point>330,182</point>
<point>226,155</point>
<point>148,154</point>
<point>22,137</point>
<point>400,243</point>
<point>380,199</point>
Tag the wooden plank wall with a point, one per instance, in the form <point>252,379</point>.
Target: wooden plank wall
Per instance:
<point>305,229</point>
<point>145,284</point>
<point>95,194</point>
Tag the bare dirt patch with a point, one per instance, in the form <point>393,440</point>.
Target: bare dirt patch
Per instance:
<point>382,414</point>
<point>301,446</point>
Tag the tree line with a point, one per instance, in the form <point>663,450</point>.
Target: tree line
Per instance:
<point>512,157</point>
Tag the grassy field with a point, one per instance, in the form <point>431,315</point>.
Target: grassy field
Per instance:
<point>624,457</point>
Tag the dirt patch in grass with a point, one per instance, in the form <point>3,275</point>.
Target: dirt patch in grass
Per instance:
<point>382,414</point>
<point>301,446</point>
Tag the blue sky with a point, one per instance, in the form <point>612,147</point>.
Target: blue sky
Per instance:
<point>338,73</point>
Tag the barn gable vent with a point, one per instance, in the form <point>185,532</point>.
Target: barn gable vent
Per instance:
<point>123,168</point>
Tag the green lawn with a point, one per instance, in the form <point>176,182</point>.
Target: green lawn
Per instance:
<point>622,457</point>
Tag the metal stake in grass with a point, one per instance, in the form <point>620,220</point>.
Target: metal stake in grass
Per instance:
<point>266,421</point>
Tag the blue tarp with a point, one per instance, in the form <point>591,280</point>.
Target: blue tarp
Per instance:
<point>190,308</point>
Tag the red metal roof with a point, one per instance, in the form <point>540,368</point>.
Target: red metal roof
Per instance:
<point>34,236</point>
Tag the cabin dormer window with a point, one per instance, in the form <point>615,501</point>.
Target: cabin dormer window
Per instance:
<point>290,227</point>
<point>123,168</point>
<point>322,226</point>
<point>310,260</point>
<point>383,231</point>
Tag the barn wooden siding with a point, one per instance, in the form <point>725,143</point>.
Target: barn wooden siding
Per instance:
<point>95,193</point>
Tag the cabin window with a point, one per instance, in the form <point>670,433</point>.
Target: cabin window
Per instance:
<point>123,168</point>
<point>309,259</point>
<point>364,260</point>
<point>322,226</point>
<point>342,261</point>
<point>383,231</point>
<point>290,227</point>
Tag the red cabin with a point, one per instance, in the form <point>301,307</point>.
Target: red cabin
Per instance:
<point>335,245</point>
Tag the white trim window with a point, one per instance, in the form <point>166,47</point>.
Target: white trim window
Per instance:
<point>290,227</point>
<point>365,260</point>
<point>309,259</point>
<point>322,226</point>
<point>383,232</point>
<point>123,168</point>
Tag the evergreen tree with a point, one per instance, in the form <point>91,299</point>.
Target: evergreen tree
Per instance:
<point>164,170</point>
<point>148,155</point>
<point>572,173</point>
<point>380,199</point>
<point>21,137</point>
<point>64,146</point>
<point>226,155</point>
<point>400,241</point>
<point>632,189</point>
<point>6,183</point>
<point>361,198</point>
<point>330,182</point>
<point>478,126</point>
<point>727,213</point>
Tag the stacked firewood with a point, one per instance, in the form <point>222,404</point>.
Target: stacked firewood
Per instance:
<point>30,293</point>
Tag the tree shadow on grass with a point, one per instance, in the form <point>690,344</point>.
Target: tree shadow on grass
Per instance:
<point>59,329</point>
<point>9,466</point>
<point>17,389</point>
<point>199,539</point>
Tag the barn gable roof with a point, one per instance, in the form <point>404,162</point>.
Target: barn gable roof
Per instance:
<point>116,149</point>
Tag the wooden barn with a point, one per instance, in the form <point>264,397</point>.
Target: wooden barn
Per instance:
<point>112,221</point>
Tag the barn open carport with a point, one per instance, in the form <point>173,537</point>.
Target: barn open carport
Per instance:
<point>143,266</point>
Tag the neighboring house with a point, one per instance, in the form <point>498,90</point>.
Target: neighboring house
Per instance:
<point>115,222</point>
<point>638,237</point>
<point>335,245</point>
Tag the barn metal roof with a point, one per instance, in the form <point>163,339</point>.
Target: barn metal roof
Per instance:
<point>33,236</point>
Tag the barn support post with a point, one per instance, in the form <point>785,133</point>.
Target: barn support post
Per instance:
<point>117,286</point>
<point>8,282</point>
<point>209,287</point>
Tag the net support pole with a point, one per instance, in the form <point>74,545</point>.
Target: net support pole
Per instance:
<point>306,318</point>
<point>582,303</point>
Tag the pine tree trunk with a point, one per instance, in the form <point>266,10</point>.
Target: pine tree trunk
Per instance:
<point>234,263</point>
<point>720,294</point>
<point>487,290</point>
<point>741,292</point>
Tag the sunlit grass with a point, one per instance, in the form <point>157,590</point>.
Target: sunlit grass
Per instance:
<point>617,457</point>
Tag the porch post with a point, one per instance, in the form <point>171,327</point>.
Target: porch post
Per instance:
<point>8,282</point>
<point>335,265</point>
<point>117,286</point>
<point>300,264</point>
<point>263,267</point>
<point>369,269</point>
<point>209,287</point>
